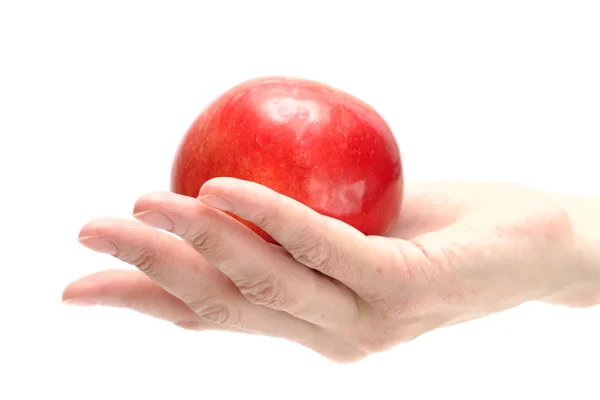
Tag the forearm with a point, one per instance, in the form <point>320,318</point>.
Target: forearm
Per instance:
<point>584,212</point>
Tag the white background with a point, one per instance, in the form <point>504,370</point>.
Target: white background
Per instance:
<point>95,96</point>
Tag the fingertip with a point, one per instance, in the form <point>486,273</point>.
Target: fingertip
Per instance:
<point>221,186</point>
<point>79,302</point>
<point>101,287</point>
<point>150,200</point>
<point>155,219</point>
<point>74,294</point>
<point>216,202</point>
<point>97,227</point>
<point>66,295</point>
<point>227,194</point>
<point>79,286</point>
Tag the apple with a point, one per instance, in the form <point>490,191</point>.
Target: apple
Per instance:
<point>304,139</point>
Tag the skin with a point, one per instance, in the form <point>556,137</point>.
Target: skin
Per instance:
<point>459,251</point>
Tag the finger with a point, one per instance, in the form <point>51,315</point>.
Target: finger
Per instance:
<point>135,291</point>
<point>178,268</point>
<point>265,274</point>
<point>319,242</point>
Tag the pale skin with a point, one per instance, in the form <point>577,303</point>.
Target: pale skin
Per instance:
<point>460,250</point>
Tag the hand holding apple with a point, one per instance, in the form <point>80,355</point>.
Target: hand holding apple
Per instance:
<point>319,173</point>
<point>458,253</point>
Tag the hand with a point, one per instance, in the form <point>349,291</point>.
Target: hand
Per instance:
<point>459,251</point>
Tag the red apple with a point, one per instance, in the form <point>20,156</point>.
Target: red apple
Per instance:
<point>304,139</point>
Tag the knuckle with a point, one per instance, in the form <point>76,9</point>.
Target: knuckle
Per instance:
<point>214,312</point>
<point>266,292</point>
<point>127,301</point>
<point>270,219</point>
<point>198,238</point>
<point>261,218</point>
<point>311,251</point>
<point>267,220</point>
<point>145,260</point>
<point>207,240</point>
<point>314,250</point>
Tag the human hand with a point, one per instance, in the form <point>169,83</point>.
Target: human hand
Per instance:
<point>459,251</point>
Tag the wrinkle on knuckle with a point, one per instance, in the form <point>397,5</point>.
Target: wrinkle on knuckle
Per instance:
<point>148,266</point>
<point>206,240</point>
<point>145,260</point>
<point>266,292</point>
<point>312,251</point>
<point>216,313</point>
<point>267,220</point>
<point>198,237</point>
<point>126,301</point>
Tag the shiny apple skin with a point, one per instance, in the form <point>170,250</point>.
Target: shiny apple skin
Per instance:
<point>303,139</point>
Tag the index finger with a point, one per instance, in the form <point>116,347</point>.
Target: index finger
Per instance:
<point>322,243</point>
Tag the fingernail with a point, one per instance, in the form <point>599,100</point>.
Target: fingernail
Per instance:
<point>99,244</point>
<point>216,202</point>
<point>155,219</point>
<point>79,302</point>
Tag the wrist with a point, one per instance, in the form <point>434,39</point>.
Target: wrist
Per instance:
<point>584,254</point>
